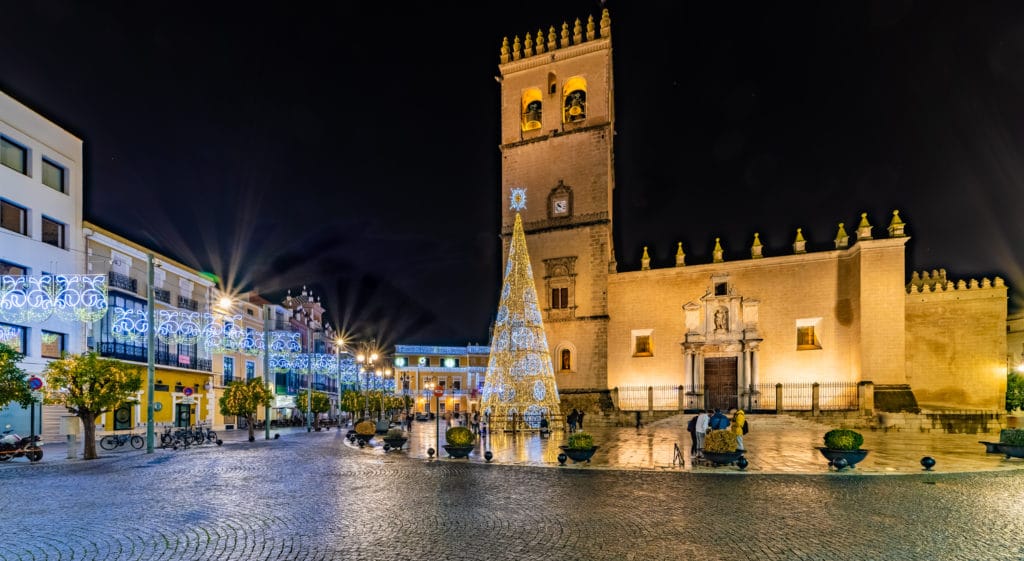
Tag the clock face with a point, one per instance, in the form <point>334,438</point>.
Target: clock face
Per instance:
<point>560,206</point>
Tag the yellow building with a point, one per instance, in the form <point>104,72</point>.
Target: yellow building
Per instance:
<point>675,336</point>
<point>459,371</point>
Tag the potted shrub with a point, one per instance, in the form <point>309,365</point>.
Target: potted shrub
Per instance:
<point>394,439</point>
<point>1011,443</point>
<point>580,447</point>
<point>365,430</point>
<point>460,441</point>
<point>845,445</point>
<point>720,447</point>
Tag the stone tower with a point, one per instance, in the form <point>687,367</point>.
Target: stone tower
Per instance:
<point>557,129</point>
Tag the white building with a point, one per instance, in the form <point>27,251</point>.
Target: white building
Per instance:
<point>40,229</point>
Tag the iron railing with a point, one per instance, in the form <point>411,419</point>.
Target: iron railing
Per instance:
<point>122,281</point>
<point>832,396</point>
<point>162,295</point>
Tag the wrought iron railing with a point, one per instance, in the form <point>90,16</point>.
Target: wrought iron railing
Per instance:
<point>122,281</point>
<point>162,295</point>
<point>188,304</point>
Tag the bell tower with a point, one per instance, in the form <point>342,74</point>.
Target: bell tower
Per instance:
<point>557,129</point>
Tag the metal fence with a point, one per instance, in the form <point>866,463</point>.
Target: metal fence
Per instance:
<point>832,396</point>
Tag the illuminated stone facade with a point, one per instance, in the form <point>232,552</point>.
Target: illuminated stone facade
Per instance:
<point>847,315</point>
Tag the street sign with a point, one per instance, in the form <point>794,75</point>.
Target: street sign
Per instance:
<point>438,392</point>
<point>187,392</point>
<point>37,395</point>
<point>35,383</point>
<point>187,400</point>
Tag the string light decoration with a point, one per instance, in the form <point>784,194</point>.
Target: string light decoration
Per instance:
<point>129,325</point>
<point>178,327</point>
<point>520,379</point>
<point>9,335</point>
<point>33,299</point>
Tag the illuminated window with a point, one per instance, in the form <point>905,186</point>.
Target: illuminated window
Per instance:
<point>643,342</point>
<point>574,105</point>
<point>13,156</point>
<point>53,233</point>
<point>566,360</point>
<point>250,370</point>
<point>13,336</point>
<point>807,331</point>
<point>53,176</point>
<point>229,370</point>
<point>12,217</point>
<point>52,344</point>
<point>532,106</point>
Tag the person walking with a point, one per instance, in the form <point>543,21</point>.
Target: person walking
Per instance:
<point>701,429</point>
<point>639,423</point>
<point>739,421</point>
<point>579,419</point>
<point>572,418</point>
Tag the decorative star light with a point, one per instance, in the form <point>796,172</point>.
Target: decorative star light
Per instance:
<point>518,198</point>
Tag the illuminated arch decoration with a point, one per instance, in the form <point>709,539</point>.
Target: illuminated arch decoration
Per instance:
<point>33,299</point>
<point>9,335</point>
<point>574,100</point>
<point>178,327</point>
<point>532,106</point>
<point>519,377</point>
<point>129,326</point>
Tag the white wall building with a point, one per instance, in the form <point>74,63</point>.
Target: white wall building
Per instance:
<point>40,221</point>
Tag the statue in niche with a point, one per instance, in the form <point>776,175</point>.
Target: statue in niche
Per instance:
<point>721,319</point>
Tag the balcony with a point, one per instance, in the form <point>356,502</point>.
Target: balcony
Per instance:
<point>124,282</point>
<point>161,295</point>
<point>188,304</point>
<point>137,353</point>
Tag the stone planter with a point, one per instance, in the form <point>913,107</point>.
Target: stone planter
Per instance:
<point>852,457</point>
<point>457,451</point>
<point>395,443</point>
<point>1011,450</point>
<point>723,458</point>
<point>363,439</point>
<point>579,454</point>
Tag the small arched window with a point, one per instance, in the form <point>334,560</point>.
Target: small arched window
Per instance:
<point>566,361</point>
<point>532,108</point>
<point>574,106</point>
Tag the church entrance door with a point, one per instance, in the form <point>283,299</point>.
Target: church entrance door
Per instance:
<point>720,386</point>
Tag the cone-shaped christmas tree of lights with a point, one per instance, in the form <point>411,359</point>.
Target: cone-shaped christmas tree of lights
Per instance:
<point>520,381</point>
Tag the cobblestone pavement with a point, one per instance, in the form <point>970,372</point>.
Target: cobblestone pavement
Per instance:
<point>317,496</point>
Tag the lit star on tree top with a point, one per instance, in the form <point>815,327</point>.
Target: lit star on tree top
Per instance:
<point>518,198</point>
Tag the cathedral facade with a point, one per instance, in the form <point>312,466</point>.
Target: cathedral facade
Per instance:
<point>723,333</point>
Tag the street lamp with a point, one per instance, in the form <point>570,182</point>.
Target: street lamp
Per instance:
<point>338,343</point>
<point>438,391</point>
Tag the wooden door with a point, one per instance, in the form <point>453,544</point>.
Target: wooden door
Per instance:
<point>720,383</point>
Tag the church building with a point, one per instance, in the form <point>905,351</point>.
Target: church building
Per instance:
<point>727,333</point>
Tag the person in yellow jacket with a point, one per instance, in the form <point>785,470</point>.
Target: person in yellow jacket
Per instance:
<point>738,420</point>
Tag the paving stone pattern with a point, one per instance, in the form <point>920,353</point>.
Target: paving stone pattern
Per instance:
<point>310,496</point>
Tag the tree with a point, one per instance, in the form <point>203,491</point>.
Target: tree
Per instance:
<point>245,399</point>
<point>13,387</point>
<point>320,404</point>
<point>1014,391</point>
<point>353,402</point>
<point>89,386</point>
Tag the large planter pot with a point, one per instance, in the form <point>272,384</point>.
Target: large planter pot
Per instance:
<point>723,458</point>
<point>851,457</point>
<point>457,451</point>
<point>1011,450</point>
<point>395,443</point>
<point>579,454</point>
<point>363,438</point>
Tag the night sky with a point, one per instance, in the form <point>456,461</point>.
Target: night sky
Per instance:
<point>353,147</point>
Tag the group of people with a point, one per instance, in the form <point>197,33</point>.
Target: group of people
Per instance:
<point>711,420</point>
<point>575,419</point>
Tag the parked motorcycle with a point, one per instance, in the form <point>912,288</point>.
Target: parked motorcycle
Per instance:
<point>14,446</point>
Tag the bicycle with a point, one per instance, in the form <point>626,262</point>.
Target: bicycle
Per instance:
<point>112,441</point>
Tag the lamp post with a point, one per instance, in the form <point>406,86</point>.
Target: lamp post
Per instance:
<point>438,392</point>
<point>366,362</point>
<point>337,351</point>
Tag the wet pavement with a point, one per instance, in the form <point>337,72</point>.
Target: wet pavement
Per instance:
<point>317,496</point>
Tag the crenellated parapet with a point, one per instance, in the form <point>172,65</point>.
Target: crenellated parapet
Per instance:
<point>537,44</point>
<point>936,281</point>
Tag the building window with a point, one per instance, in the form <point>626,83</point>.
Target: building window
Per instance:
<point>457,384</point>
<point>424,361</point>
<point>643,342</point>
<point>13,156</point>
<point>229,370</point>
<point>12,217</point>
<point>54,176</point>
<point>53,233</point>
<point>8,268</point>
<point>807,333</point>
<point>559,298</point>
<point>566,360</point>
<point>531,118</point>
<point>574,106</point>
<point>721,289</point>
<point>250,370</point>
<point>451,363</point>
<point>52,344</point>
<point>13,336</point>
